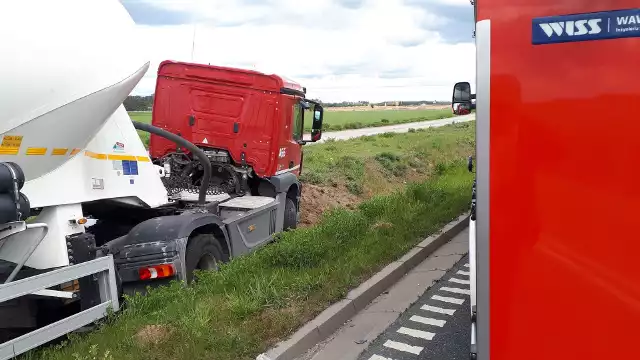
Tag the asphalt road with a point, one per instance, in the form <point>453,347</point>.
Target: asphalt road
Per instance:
<point>436,327</point>
<point>400,128</point>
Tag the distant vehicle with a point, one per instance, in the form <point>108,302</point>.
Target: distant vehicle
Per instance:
<point>461,108</point>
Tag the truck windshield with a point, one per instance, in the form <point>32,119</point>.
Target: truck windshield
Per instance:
<point>297,122</point>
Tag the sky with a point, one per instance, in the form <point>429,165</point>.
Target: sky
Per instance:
<point>340,50</point>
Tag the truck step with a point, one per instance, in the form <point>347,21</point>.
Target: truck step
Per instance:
<point>247,202</point>
<point>193,197</point>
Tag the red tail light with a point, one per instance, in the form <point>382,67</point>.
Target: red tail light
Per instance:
<point>157,272</point>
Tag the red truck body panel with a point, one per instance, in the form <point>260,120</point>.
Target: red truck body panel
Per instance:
<point>563,189</point>
<point>240,111</point>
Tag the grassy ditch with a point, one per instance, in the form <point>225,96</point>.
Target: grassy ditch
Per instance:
<point>347,172</point>
<point>258,299</point>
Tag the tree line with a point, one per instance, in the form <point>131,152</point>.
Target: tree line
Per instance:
<point>138,103</point>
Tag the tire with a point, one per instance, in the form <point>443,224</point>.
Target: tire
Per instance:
<point>290,215</point>
<point>203,253</point>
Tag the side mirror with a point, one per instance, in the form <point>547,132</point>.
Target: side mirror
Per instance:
<point>461,100</point>
<point>316,126</point>
<point>461,93</point>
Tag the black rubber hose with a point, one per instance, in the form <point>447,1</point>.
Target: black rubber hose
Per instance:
<point>206,165</point>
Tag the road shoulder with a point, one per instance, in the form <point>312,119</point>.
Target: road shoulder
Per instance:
<point>330,320</point>
<point>355,336</point>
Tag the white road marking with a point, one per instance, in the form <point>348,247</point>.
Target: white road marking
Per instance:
<point>448,299</point>
<point>456,290</point>
<point>438,310</point>
<point>417,333</point>
<point>403,347</point>
<point>378,357</point>
<point>460,281</point>
<point>460,272</point>
<point>428,321</point>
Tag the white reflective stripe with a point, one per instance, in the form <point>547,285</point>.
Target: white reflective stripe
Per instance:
<point>403,347</point>
<point>456,290</point>
<point>287,170</point>
<point>460,272</point>
<point>417,333</point>
<point>428,321</point>
<point>438,310</point>
<point>154,273</point>
<point>460,281</point>
<point>378,357</point>
<point>448,299</point>
<point>54,293</point>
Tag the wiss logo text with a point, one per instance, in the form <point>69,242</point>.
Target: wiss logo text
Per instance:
<point>572,28</point>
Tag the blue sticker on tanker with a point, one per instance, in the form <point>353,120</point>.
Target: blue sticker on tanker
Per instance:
<point>126,168</point>
<point>129,167</point>
<point>585,27</point>
<point>133,166</point>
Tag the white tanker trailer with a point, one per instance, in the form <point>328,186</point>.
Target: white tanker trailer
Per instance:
<point>70,156</point>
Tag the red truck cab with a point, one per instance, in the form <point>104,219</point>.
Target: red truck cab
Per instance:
<point>257,118</point>
<point>249,123</point>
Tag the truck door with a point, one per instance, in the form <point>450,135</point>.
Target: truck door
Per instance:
<point>290,152</point>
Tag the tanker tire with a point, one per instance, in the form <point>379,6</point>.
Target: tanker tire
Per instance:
<point>290,215</point>
<point>203,253</point>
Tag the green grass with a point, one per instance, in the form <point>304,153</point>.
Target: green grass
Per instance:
<point>373,163</point>
<point>342,120</point>
<point>142,116</point>
<point>145,117</point>
<point>258,299</point>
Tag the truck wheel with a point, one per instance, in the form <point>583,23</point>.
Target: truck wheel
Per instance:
<point>203,253</point>
<point>290,215</point>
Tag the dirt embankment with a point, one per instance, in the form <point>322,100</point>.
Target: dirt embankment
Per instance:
<point>318,199</point>
<point>345,173</point>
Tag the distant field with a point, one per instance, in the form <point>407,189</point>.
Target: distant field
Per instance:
<point>142,116</point>
<point>341,119</point>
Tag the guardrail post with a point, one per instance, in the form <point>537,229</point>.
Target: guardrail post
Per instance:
<point>108,286</point>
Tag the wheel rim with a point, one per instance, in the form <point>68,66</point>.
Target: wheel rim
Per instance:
<point>207,262</point>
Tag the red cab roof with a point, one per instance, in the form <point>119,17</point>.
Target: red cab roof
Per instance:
<point>233,76</point>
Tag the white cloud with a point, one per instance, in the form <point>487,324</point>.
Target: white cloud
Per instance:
<point>384,50</point>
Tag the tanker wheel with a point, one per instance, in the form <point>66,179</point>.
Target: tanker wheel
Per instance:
<point>203,253</point>
<point>290,215</point>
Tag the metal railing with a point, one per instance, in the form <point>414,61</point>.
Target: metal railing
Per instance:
<point>102,268</point>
